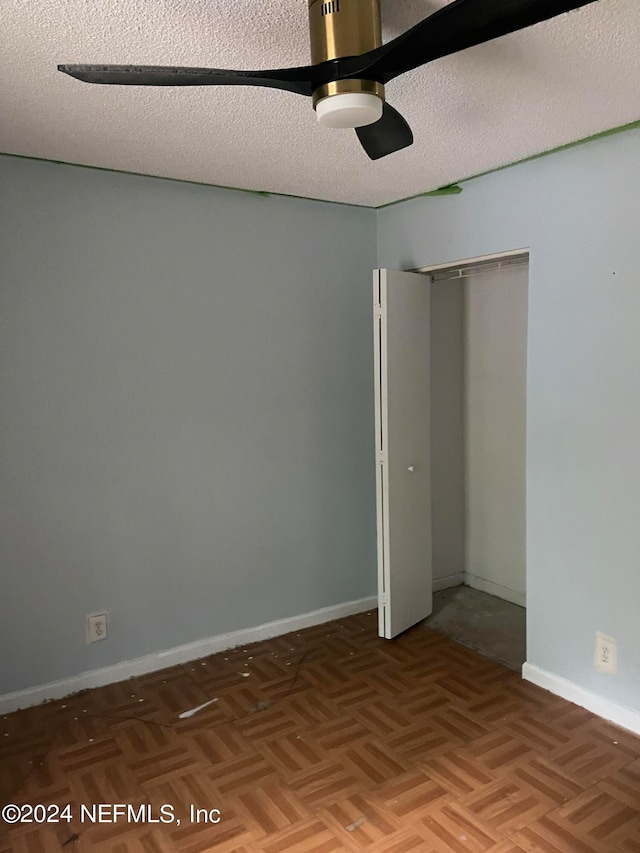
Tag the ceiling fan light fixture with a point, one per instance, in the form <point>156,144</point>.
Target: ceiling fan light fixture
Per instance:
<point>349,109</point>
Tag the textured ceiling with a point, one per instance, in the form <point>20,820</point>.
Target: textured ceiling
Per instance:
<point>532,91</point>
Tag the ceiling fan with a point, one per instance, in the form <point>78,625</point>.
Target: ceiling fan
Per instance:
<point>351,65</point>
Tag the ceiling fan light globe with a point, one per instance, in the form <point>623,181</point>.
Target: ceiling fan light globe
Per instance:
<point>349,109</point>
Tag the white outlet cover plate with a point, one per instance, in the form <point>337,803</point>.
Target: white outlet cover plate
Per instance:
<point>96,627</point>
<point>605,642</point>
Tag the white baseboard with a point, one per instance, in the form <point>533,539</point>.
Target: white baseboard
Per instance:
<point>624,717</point>
<point>448,582</point>
<point>180,654</point>
<point>496,589</point>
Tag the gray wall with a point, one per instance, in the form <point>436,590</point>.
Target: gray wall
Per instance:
<point>495,356</point>
<point>186,413</point>
<point>447,432</point>
<point>578,211</point>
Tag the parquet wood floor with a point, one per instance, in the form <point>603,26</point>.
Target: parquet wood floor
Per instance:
<point>329,739</point>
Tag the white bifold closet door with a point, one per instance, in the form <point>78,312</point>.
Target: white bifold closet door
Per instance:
<point>403,464</point>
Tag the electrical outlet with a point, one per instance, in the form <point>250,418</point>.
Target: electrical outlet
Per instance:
<point>605,659</point>
<point>96,627</point>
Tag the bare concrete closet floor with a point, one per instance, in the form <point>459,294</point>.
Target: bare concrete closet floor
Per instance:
<point>491,626</point>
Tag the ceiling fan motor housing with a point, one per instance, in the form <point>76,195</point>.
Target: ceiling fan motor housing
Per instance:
<point>345,28</point>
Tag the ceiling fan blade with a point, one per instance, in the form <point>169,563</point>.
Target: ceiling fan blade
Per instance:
<point>461,24</point>
<point>388,134</point>
<point>301,81</point>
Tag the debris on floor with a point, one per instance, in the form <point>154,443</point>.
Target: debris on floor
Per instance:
<point>195,710</point>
